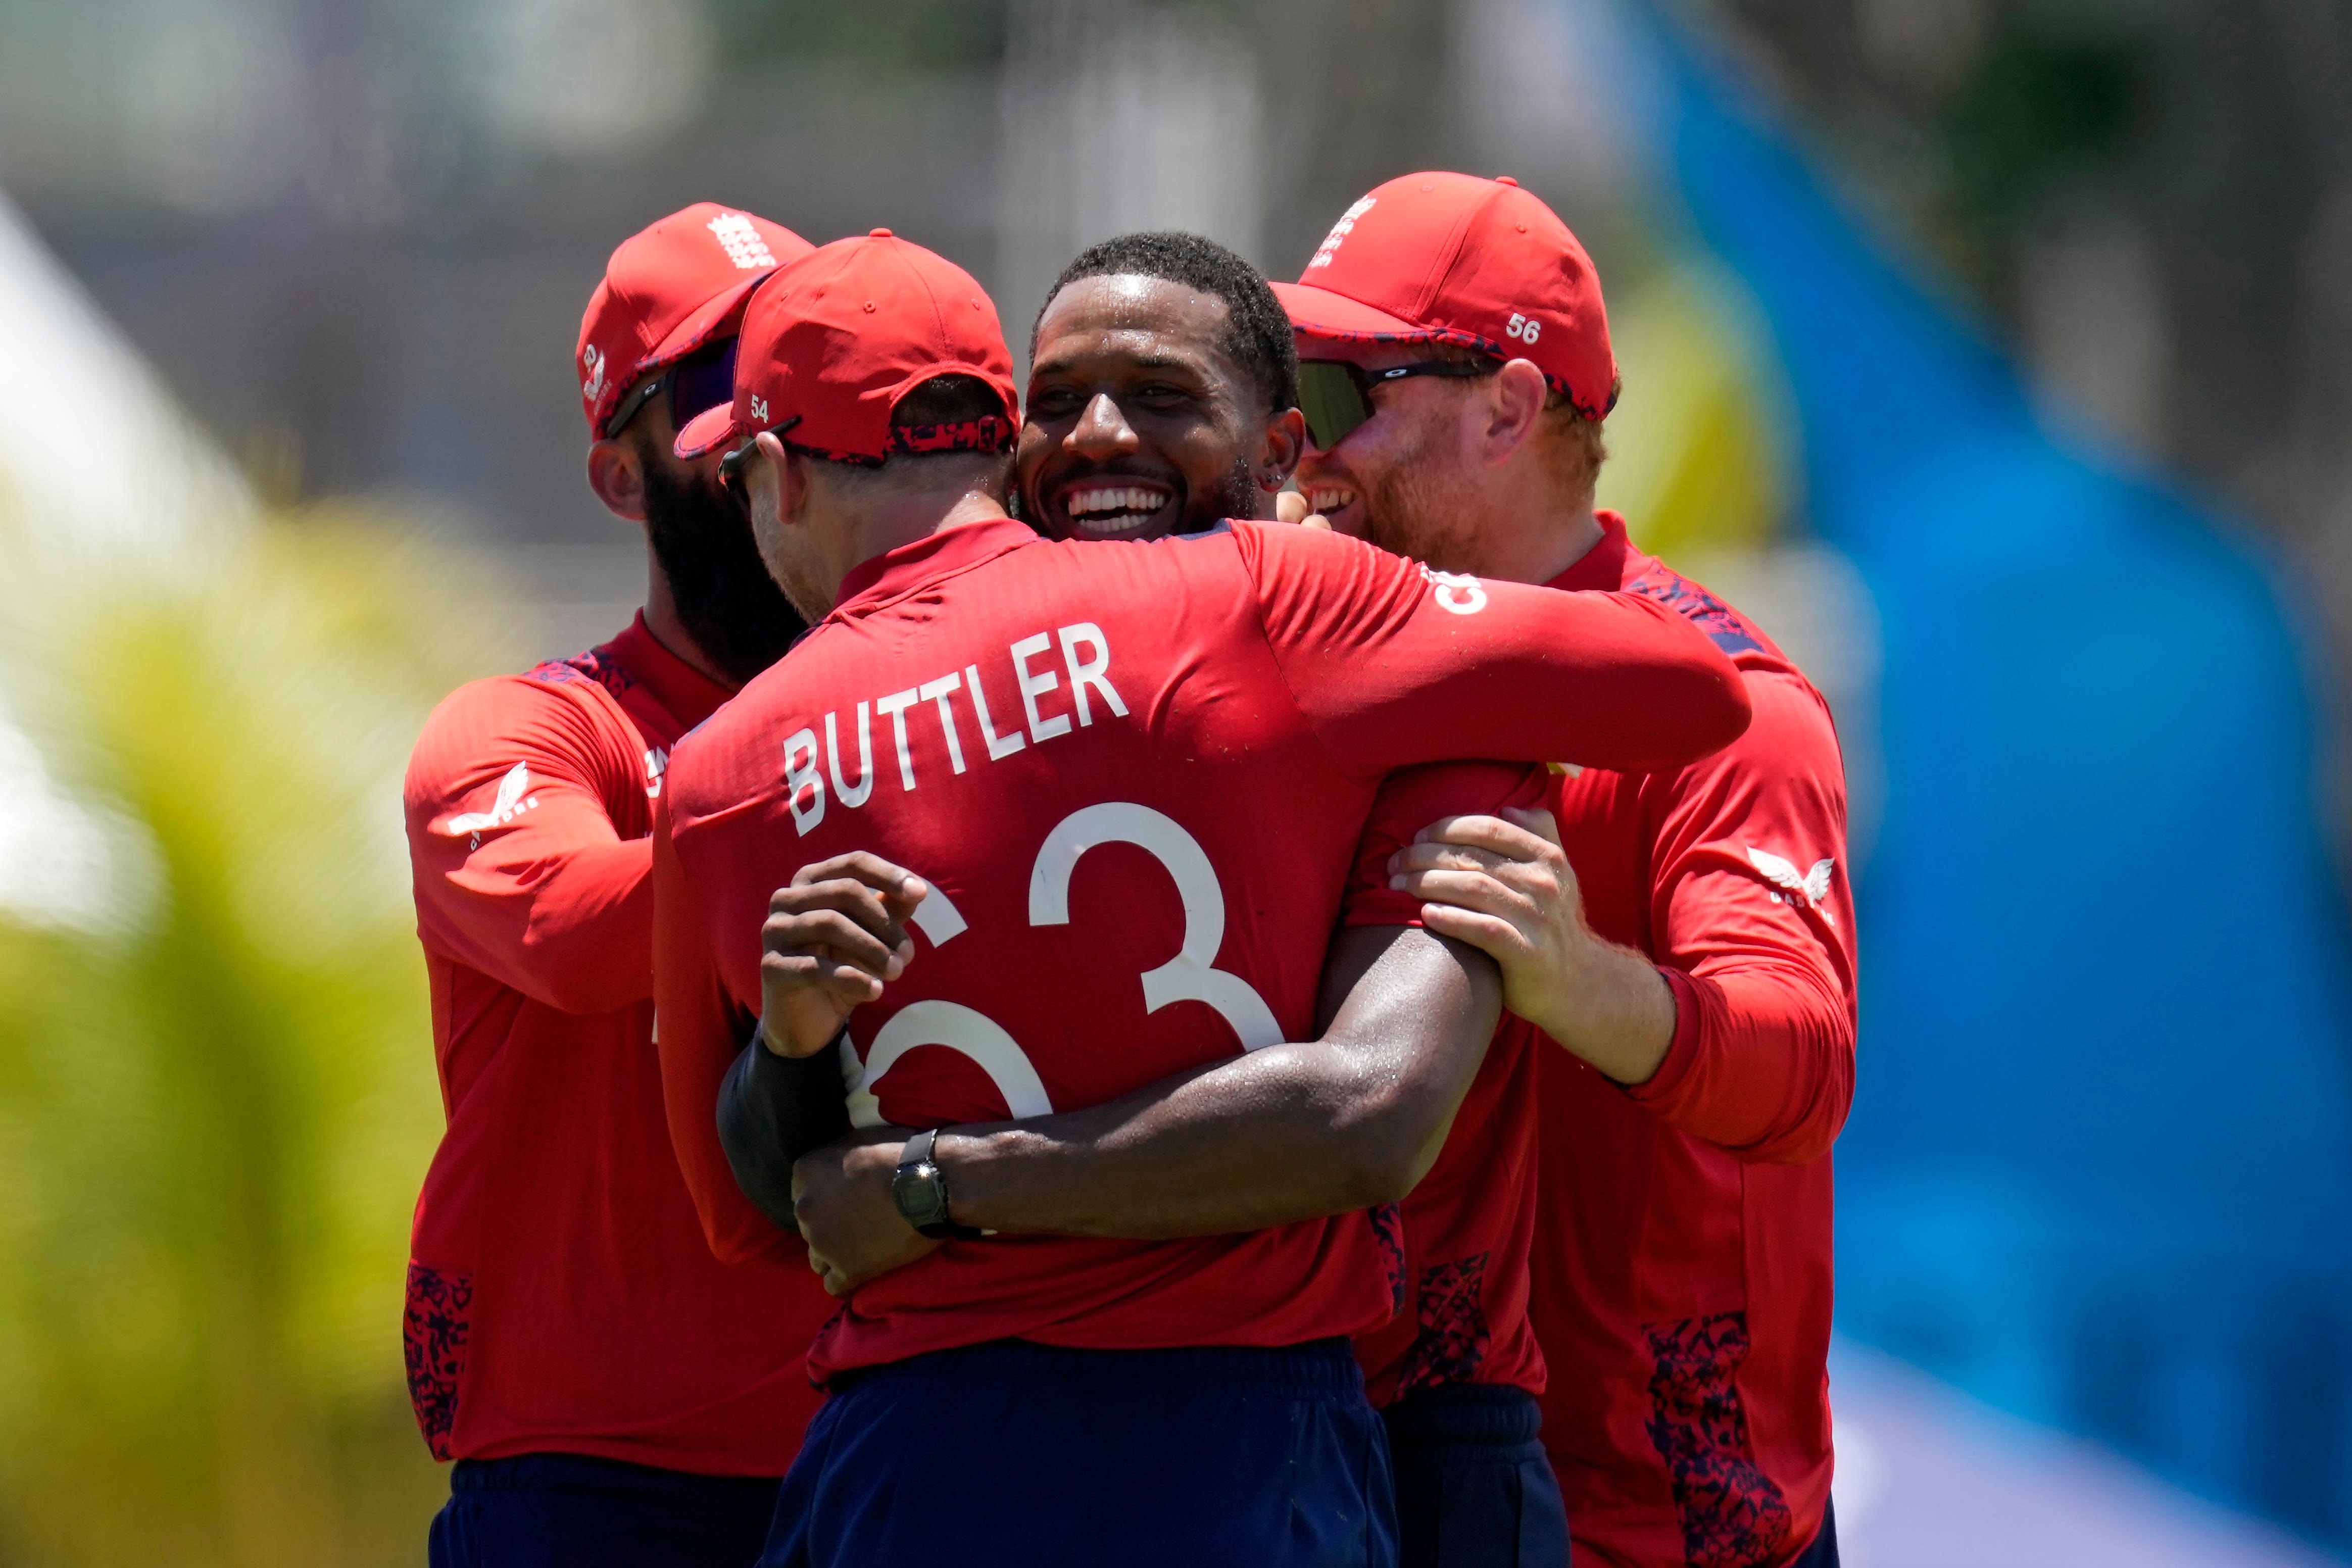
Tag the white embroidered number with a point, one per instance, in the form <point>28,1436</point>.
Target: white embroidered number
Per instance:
<point>1191,976</point>
<point>1523,328</point>
<point>961,1029</point>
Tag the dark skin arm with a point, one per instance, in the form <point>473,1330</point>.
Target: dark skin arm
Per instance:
<point>1292,1131</point>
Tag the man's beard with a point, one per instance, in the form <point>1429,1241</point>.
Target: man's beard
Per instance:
<point>723,594</point>
<point>1236,497</point>
<point>1423,509</point>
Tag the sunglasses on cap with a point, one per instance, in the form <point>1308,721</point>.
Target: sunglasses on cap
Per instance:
<point>1335,395</point>
<point>703,379</point>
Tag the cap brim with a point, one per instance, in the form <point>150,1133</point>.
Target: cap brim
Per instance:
<point>714,318</point>
<point>707,431</point>
<point>1319,312</point>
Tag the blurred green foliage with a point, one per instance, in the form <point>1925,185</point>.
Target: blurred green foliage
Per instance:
<point>217,1099</point>
<point>2050,101</point>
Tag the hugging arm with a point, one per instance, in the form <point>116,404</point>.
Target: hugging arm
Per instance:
<point>1292,1131</point>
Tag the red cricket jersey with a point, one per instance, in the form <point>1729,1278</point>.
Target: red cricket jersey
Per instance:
<point>1134,776</point>
<point>561,1296</point>
<point>1682,1279</point>
<point>1465,1230</point>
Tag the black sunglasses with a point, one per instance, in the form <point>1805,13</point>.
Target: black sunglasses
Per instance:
<point>730,465</point>
<point>1335,395</point>
<point>703,379</point>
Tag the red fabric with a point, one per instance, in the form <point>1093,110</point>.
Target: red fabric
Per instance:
<point>985,708</point>
<point>830,346</point>
<point>669,288</point>
<point>561,1296</point>
<point>1439,257</point>
<point>1466,1228</point>
<point>1682,1288</point>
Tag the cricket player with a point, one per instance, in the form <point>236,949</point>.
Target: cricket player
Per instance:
<point>609,1391</point>
<point>1162,397</point>
<point>1131,782</point>
<point>1685,937</point>
<point>1163,392</point>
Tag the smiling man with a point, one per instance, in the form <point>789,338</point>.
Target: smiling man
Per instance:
<point>1163,392</point>
<point>1132,780</point>
<point>1162,402</point>
<point>1686,937</point>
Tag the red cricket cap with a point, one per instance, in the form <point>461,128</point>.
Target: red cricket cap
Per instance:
<point>669,289</point>
<point>1439,257</point>
<point>834,339</point>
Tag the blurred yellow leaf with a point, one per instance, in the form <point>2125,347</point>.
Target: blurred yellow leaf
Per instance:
<point>1699,442</point>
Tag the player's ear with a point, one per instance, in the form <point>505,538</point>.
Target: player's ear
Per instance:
<point>772,484</point>
<point>1514,405</point>
<point>617,474</point>
<point>1280,443</point>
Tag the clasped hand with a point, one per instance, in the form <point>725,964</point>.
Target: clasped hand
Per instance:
<point>1503,886</point>
<point>831,940</point>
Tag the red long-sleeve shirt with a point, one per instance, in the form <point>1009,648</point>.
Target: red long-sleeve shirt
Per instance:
<point>1094,754</point>
<point>1467,1228</point>
<point>561,1297</point>
<point>1681,1268</point>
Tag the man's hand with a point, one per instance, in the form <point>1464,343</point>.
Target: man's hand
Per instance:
<point>841,1196</point>
<point>1507,888</point>
<point>832,939</point>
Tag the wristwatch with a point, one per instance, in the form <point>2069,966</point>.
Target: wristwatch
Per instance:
<point>919,1188</point>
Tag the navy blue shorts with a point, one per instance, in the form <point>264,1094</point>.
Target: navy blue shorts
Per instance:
<point>1474,1487</point>
<point>568,1511</point>
<point>1822,1553</point>
<point>1012,1453</point>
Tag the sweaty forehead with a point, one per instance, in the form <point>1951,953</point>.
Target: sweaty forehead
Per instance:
<point>1125,316</point>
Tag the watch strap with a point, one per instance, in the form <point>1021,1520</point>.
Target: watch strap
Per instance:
<point>914,1156</point>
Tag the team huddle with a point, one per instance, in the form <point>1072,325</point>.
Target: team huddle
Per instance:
<point>1199,962</point>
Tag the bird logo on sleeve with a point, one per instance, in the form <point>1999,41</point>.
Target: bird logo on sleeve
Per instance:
<point>1807,888</point>
<point>511,802</point>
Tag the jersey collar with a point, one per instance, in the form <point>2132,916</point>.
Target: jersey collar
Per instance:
<point>689,695</point>
<point>888,576</point>
<point>1610,564</point>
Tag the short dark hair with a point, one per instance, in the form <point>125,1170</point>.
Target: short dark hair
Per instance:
<point>1257,331</point>
<point>946,399</point>
<point>943,400</point>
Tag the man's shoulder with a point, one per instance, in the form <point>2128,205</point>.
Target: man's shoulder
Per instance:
<point>1752,652</point>
<point>1791,733</point>
<point>1208,549</point>
<point>600,667</point>
<point>575,714</point>
<point>715,765</point>
<point>1246,544</point>
<point>1260,543</point>
<point>559,692</point>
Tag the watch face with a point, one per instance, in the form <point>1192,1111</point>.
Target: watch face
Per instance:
<point>916,1191</point>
